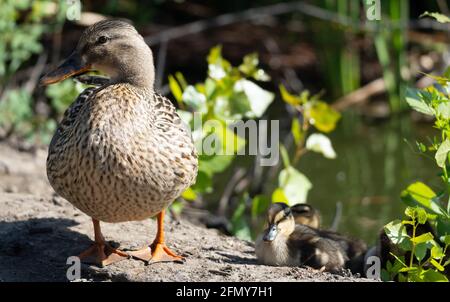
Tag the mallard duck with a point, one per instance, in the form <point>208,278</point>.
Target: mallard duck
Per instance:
<point>121,152</point>
<point>285,243</point>
<point>305,214</point>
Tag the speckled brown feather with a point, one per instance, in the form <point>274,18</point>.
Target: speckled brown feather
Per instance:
<point>121,153</point>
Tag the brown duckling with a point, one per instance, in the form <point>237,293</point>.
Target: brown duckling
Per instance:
<point>305,214</point>
<point>286,243</point>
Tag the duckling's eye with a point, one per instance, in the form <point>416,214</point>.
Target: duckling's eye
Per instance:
<point>102,40</point>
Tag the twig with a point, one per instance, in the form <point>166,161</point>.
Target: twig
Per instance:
<point>229,191</point>
<point>285,8</point>
<point>360,95</point>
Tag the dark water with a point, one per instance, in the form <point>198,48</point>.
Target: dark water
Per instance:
<point>373,166</point>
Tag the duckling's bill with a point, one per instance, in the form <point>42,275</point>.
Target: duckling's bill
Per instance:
<point>72,66</point>
<point>271,233</point>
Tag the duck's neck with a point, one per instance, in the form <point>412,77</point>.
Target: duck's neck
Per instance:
<point>139,69</point>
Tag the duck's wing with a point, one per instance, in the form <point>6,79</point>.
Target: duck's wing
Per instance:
<point>71,113</point>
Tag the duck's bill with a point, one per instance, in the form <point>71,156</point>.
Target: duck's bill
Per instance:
<point>271,233</point>
<point>72,66</point>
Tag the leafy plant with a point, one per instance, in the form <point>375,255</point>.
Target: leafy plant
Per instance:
<point>424,205</point>
<point>227,95</point>
<point>293,186</point>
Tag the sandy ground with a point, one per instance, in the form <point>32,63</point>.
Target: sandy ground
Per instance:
<point>39,231</point>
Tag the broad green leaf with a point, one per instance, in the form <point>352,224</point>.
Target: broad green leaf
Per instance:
<point>423,238</point>
<point>295,185</point>
<point>415,99</point>
<point>420,194</point>
<point>322,116</point>
<point>278,196</point>
<point>258,98</point>
<point>396,232</point>
<point>430,275</point>
<point>260,204</point>
<point>441,18</point>
<point>442,152</point>
<point>437,252</point>
<point>321,144</point>
<point>175,89</point>
<point>420,251</point>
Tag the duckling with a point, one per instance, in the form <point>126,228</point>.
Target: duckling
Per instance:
<point>283,243</point>
<point>121,152</point>
<point>354,248</point>
<point>305,214</point>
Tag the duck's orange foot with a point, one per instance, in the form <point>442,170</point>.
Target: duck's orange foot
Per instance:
<point>158,252</point>
<point>102,255</point>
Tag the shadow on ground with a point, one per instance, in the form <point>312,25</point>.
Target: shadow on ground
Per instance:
<point>37,249</point>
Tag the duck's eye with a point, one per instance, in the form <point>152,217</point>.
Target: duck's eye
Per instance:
<point>102,39</point>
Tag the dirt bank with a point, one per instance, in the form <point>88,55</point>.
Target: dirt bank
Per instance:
<point>38,231</point>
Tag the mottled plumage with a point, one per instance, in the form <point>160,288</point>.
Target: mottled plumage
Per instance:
<point>121,152</point>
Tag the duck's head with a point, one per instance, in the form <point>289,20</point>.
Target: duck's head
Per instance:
<point>113,47</point>
<point>280,222</point>
<point>305,214</point>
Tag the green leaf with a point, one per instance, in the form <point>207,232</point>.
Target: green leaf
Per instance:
<point>295,185</point>
<point>437,252</point>
<point>423,238</point>
<point>175,89</point>
<point>442,152</point>
<point>420,251</point>
<point>319,143</point>
<point>278,196</point>
<point>290,98</point>
<point>430,275</point>
<point>420,194</point>
<point>322,116</point>
<point>260,204</point>
<point>415,99</point>
<point>258,98</point>
<point>396,232</point>
<point>189,194</point>
<point>439,17</point>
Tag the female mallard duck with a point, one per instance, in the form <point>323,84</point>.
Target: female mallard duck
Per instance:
<point>287,243</point>
<point>121,152</point>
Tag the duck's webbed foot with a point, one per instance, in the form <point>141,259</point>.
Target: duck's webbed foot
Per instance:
<point>157,251</point>
<point>102,254</point>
